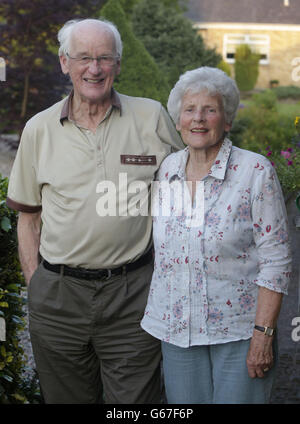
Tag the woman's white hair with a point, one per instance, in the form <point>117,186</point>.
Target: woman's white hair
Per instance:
<point>214,81</point>
<point>64,34</point>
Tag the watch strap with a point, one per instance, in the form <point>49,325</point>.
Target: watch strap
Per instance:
<point>268,331</point>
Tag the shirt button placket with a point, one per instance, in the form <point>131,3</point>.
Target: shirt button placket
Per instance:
<point>188,262</point>
<point>99,155</point>
<point>204,286</point>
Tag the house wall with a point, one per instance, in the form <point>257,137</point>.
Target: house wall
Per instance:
<point>284,49</point>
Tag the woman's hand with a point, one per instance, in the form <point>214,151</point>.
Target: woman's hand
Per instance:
<point>260,355</point>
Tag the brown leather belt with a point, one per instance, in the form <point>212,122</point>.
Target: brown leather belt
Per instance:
<point>98,274</point>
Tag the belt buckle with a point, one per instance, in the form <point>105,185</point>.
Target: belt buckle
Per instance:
<point>109,274</point>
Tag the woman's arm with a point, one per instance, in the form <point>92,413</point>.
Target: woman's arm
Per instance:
<point>260,354</point>
<point>271,236</point>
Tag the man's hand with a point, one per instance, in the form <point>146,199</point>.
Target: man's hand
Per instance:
<point>260,355</point>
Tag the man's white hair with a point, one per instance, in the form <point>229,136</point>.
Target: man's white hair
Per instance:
<point>64,34</point>
<point>214,81</point>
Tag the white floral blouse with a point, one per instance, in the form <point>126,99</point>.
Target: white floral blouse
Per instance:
<point>205,282</point>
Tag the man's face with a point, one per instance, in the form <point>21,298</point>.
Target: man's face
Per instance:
<point>92,82</point>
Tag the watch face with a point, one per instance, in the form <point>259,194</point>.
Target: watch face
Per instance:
<point>269,331</point>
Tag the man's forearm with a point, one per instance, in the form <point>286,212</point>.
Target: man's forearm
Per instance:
<point>29,228</point>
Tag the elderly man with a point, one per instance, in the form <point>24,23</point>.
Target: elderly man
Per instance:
<point>88,294</point>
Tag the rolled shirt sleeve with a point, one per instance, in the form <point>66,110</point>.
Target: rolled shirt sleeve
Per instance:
<point>24,190</point>
<point>270,230</point>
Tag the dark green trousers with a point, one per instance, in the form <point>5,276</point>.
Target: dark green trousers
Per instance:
<point>87,341</point>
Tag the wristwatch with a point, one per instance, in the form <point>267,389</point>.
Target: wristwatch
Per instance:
<point>268,331</point>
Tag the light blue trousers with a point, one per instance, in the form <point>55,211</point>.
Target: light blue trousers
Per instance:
<point>213,374</point>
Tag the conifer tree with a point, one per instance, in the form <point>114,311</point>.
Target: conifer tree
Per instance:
<point>170,38</point>
<point>246,67</point>
<point>140,76</point>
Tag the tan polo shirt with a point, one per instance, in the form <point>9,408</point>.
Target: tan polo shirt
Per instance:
<point>93,189</point>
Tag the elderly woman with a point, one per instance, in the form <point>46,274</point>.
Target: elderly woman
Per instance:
<point>218,282</point>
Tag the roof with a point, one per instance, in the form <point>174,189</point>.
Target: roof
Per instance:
<point>250,11</point>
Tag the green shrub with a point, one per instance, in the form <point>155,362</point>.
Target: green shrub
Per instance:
<point>246,67</point>
<point>260,125</point>
<point>266,100</point>
<point>287,168</point>
<point>238,129</point>
<point>13,388</point>
<point>140,75</point>
<point>287,92</point>
<point>171,38</point>
<point>225,67</point>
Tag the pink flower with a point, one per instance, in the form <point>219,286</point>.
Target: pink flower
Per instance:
<point>273,164</point>
<point>290,162</point>
<point>285,154</point>
<point>269,153</point>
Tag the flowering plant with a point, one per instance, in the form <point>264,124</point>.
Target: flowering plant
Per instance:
<point>287,162</point>
<point>296,138</point>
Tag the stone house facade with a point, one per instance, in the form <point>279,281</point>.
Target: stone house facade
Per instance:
<point>269,27</point>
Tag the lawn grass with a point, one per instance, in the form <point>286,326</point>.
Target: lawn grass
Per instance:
<point>289,107</point>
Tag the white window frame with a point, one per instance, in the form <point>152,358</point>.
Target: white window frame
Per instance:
<point>246,39</point>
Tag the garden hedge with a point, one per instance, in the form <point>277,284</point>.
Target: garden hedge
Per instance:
<point>13,386</point>
<point>246,67</point>
<point>261,128</point>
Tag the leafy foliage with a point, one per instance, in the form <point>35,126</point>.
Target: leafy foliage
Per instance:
<point>246,67</point>
<point>28,44</point>
<point>13,388</point>
<point>170,38</point>
<point>128,5</point>
<point>225,67</point>
<point>259,127</point>
<point>34,79</point>
<point>287,168</point>
<point>140,76</point>
<point>287,92</point>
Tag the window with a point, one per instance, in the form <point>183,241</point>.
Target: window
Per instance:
<point>258,43</point>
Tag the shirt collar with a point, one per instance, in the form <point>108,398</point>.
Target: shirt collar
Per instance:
<point>115,102</point>
<point>217,170</point>
<point>219,167</point>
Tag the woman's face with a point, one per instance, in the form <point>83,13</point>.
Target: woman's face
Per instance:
<point>202,120</point>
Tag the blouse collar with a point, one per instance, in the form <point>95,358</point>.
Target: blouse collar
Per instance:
<point>217,170</point>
